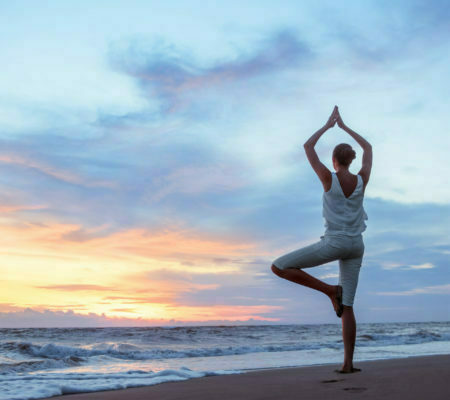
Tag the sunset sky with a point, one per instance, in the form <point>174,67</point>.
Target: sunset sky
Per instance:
<point>152,163</point>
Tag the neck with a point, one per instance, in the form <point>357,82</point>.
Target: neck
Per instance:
<point>341,168</point>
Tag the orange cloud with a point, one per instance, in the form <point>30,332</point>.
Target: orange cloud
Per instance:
<point>47,318</point>
<point>75,287</point>
<point>137,244</point>
<point>44,265</point>
<point>224,312</point>
<point>6,208</point>
<point>137,300</point>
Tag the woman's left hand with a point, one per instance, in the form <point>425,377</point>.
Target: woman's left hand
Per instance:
<point>333,117</point>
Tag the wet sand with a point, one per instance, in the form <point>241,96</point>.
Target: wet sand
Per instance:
<point>421,378</point>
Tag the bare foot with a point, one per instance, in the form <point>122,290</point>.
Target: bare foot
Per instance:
<point>344,371</point>
<point>334,301</point>
<point>348,370</point>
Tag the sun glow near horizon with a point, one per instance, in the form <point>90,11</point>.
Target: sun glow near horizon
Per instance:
<point>48,267</point>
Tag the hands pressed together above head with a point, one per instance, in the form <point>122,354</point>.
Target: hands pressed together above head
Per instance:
<point>334,118</point>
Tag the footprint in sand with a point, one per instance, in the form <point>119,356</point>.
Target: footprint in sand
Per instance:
<point>355,389</point>
<point>333,380</point>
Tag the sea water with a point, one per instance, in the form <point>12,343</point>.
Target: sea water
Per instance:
<point>37,363</point>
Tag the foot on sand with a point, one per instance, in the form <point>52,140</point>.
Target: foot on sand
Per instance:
<point>355,389</point>
<point>344,371</point>
<point>332,380</point>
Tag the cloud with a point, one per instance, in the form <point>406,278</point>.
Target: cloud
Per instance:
<point>437,289</point>
<point>50,171</point>
<point>328,276</point>
<point>30,318</point>
<point>167,282</point>
<point>389,308</point>
<point>382,38</point>
<point>422,266</point>
<point>394,265</point>
<point>10,208</point>
<point>391,265</point>
<point>176,80</point>
<point>195,180</point>
<point>84,235</point>
<point>166,299</point>
<point>168,243</point>
<point>125,310</point>
<point>78,287</point>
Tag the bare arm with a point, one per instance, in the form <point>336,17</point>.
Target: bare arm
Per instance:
<point>367,150</point>
<point>320,169</point>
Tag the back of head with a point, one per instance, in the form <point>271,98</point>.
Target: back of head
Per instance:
<point>344,154</point>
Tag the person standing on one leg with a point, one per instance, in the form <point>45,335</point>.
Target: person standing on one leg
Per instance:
<point>345,217</point>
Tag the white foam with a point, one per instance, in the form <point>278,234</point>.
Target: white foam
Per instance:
<point>37,386</point>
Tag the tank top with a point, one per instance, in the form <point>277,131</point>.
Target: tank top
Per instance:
<point>344,215</point>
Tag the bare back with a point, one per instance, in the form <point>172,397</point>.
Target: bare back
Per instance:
<point>347,181</point>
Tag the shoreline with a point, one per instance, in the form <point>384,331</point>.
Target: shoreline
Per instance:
<point>413,377</point>
<point>355,362</point>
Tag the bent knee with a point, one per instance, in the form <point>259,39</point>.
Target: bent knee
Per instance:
<point>276,270</point>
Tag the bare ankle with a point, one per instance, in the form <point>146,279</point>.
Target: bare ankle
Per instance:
<point>348,364</point>
<point>331,291</point>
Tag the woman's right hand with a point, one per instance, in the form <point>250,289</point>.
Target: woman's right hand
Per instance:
<point>339,119</point>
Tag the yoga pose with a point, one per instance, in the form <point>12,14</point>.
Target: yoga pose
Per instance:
<point>344,216</point>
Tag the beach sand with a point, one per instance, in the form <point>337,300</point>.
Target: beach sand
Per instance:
<point>421,378</point>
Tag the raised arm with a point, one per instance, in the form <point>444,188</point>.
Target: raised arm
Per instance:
<point>366,146</point>
<point>320,169</point>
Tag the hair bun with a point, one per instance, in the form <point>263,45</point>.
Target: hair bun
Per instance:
<point>344,154</point>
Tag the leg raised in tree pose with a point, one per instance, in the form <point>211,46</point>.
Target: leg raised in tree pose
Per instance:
<point>344,222</point>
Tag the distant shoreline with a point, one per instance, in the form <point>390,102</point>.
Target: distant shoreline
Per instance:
<point>216,325</point>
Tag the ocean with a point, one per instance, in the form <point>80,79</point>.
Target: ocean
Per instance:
<point>37,363</point>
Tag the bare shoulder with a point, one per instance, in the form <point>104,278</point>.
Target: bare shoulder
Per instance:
<point>326,179</point>
<point>366,166</point>
<point>364,177</point>
<point>323,173</point>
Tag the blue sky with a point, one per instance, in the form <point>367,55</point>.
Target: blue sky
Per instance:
<point>159,145</point>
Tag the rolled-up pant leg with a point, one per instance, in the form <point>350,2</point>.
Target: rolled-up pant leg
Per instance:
<point>349,268</point>
<point>348,278</point>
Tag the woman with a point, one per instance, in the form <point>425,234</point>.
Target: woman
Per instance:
<point>344,216</point>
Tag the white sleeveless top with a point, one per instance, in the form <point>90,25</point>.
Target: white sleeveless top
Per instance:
<point>343,215</point>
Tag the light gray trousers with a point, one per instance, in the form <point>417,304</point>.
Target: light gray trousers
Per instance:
<point>349,250</point>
